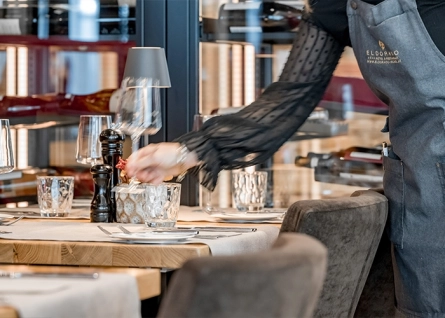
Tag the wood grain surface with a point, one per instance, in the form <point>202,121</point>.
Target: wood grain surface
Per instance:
<point>98,253</point>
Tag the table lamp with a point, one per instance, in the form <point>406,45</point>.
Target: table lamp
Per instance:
<point>139,110</point>
<point>148,62</point>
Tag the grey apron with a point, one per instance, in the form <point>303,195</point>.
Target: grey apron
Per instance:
<point>405,69</point>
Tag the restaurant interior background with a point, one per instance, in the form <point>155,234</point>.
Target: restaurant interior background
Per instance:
<point>221,54</point>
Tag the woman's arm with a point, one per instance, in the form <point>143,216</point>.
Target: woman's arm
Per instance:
<point>252,135</point>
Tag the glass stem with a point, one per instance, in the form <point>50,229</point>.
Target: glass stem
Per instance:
<point>134,148</point>
<point>135,144</point>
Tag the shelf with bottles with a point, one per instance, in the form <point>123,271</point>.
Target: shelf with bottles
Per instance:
<point>84,20</point>
<point>356,166</point>
<point>210,32</point>
<point>55,109</point>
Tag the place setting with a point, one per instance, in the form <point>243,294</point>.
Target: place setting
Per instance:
<point>170,235</point>
<point>249,189</point>
<point>144,235</point>
<point>234,216</point>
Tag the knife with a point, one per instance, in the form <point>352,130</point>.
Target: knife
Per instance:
<point>48,275</point>
<point>19,211</point>
<point>220,229</point>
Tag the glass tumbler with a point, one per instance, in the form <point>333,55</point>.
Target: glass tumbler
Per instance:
<point>249,190</point>
<point>155,205</point>
<point>162,205</point>
<point>55,195</point>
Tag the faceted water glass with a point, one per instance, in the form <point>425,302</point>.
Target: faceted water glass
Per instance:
<point>162,206</point>
<point>55,195</point>
<point>249,190</point>
<point>155,205</point>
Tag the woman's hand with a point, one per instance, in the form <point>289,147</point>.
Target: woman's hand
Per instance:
<point>156,162</point>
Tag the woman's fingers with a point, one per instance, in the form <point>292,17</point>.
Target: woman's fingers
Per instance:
<point>147,175</point>
<point>155,156</point>
<point>154,176</point>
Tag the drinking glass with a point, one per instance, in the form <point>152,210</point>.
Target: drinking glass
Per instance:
<point>139,110</point>
<point>211,201</point>
<point>89,149</point>
<point>155,205</point>
<point>6,154</point>
<point>55,195</point>
<point>249,190</point>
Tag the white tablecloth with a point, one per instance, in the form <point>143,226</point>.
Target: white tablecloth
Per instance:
<point>109,296</point>
<point>88,232</point>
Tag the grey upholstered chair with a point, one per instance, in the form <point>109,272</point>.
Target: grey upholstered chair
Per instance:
<point>284,281</point>
<point>351,228</point>
<point>377,299</point>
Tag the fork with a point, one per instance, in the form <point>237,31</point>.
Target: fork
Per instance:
<point>104,230</point>
<point>120,227</point>
<point>12,222</point>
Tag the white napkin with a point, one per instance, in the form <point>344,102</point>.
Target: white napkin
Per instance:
<point>109,296</point>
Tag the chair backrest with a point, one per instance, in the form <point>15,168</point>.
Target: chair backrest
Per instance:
<point>351,228</point>
<point>284,281</point>
<point>377,298</point>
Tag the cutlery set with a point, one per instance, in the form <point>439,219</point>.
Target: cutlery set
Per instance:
<point>191,230</point>
<point>11,222</point>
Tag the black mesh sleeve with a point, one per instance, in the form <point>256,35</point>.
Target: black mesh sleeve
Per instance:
<point>252,135</point>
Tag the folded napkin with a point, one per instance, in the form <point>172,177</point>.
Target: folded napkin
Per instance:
<point>109,296</point>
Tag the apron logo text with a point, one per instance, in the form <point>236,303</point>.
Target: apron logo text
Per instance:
<point>382,56</point>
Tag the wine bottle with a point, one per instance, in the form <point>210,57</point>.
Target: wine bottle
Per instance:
<point>358,166</point>
<point>266,16</point>
<point>62,104</point>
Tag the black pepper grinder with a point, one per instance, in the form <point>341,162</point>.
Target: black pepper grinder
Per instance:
<point>112,141</point>
<point>101,209</point>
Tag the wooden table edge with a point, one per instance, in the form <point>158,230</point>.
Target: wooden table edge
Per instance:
<point>148,279</point>
<point>41,252</point>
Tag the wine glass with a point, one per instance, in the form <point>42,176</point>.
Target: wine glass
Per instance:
<point>89,149</point>
<point>205,195</point>
<point>139,110</point>
<point>6,154</point>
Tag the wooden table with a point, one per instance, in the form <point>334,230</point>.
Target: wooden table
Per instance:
<point>104,253</point>
<point>148,280</point>
<point>98,253</point>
